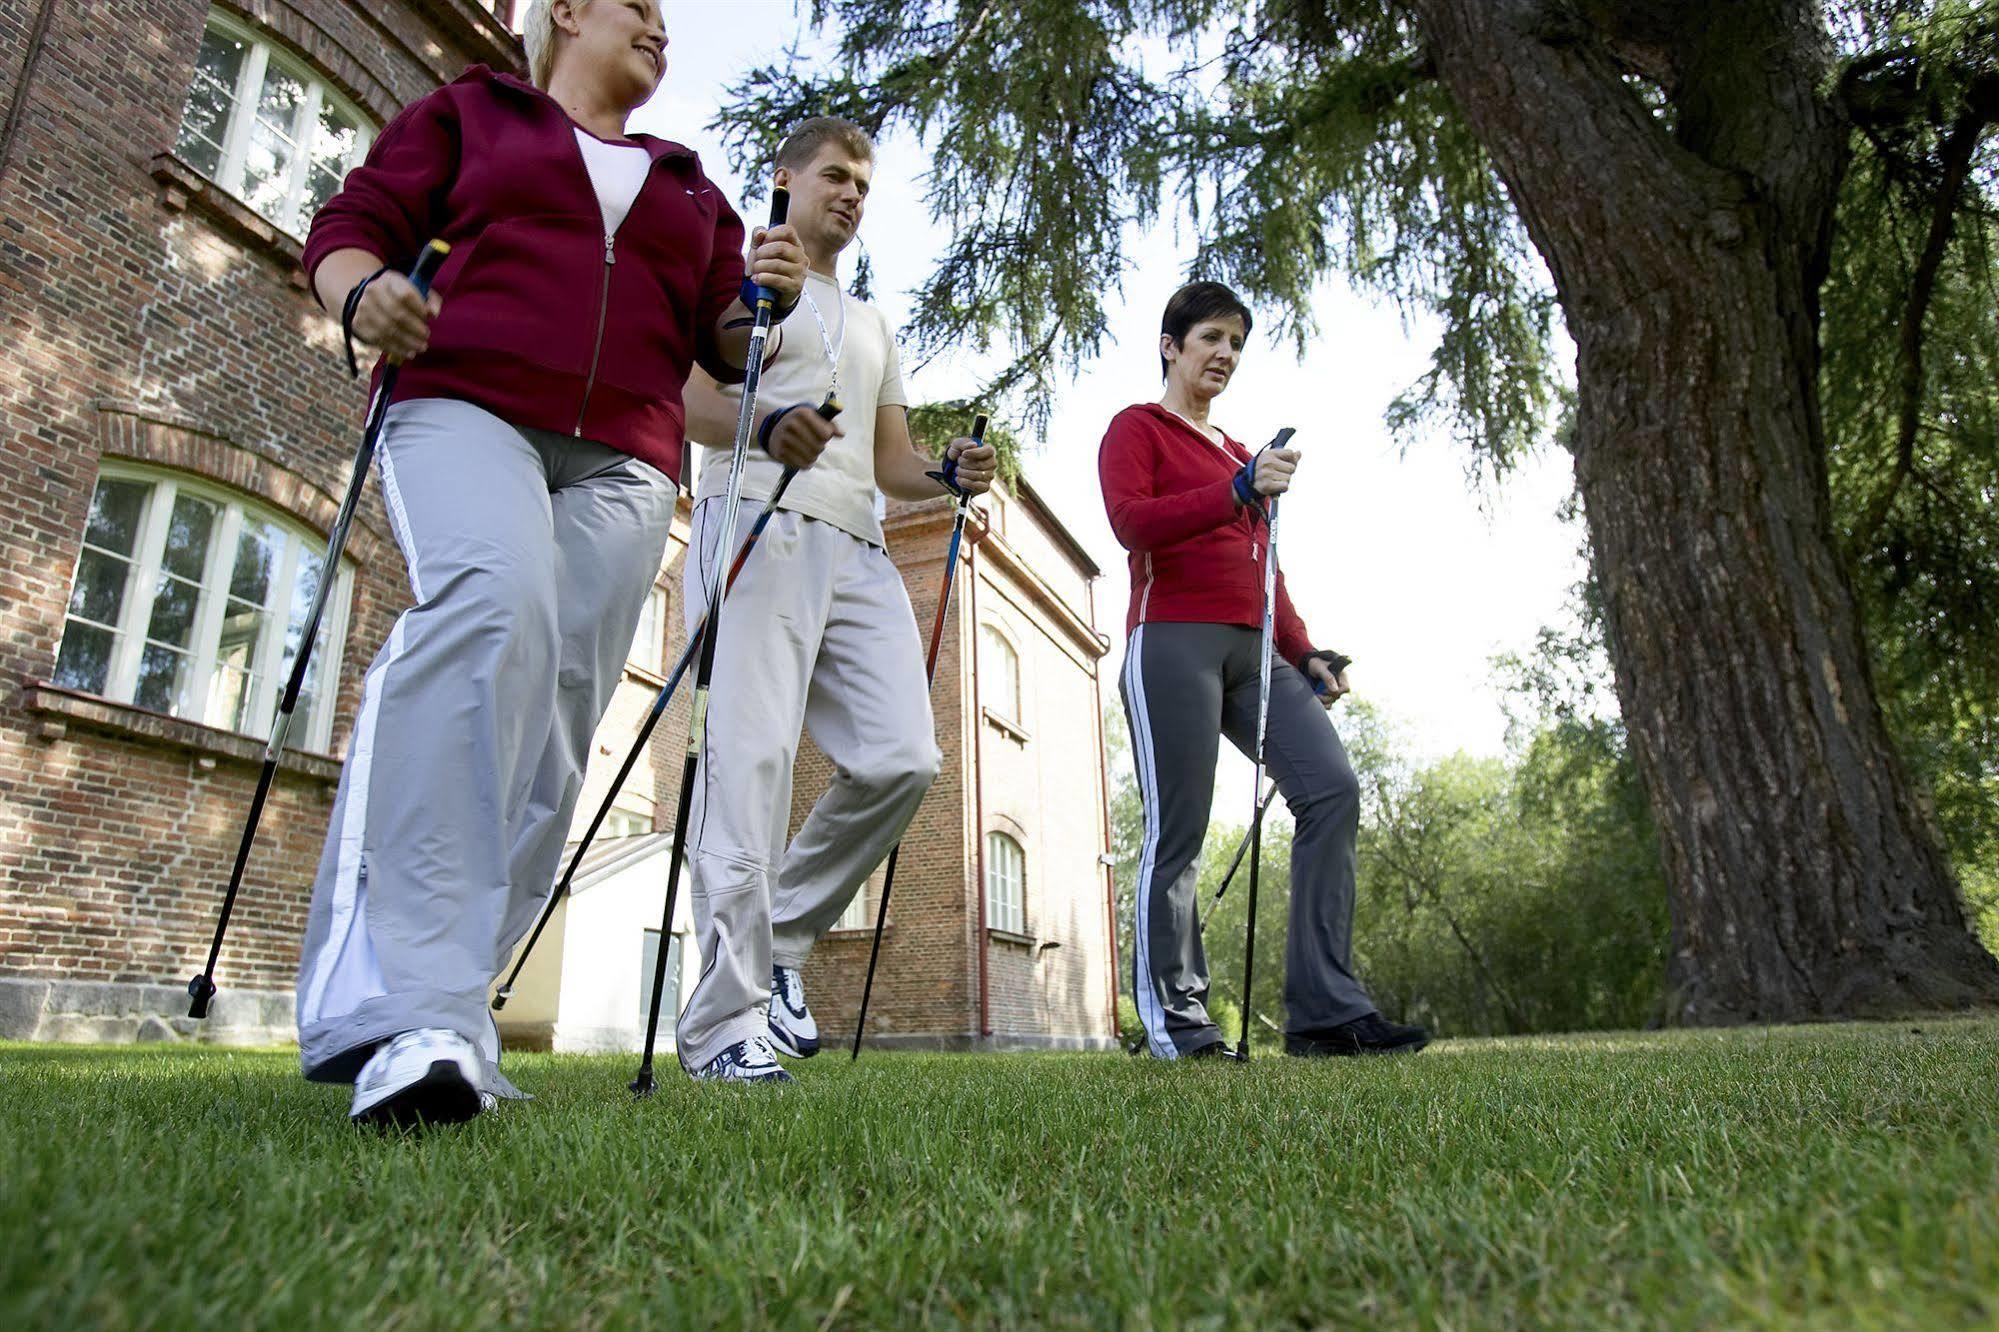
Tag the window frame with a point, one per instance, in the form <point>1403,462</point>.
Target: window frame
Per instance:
<point>1017,920</point>
<point>145,569</point>
<point>1014,714</point>
<point>264,50</point>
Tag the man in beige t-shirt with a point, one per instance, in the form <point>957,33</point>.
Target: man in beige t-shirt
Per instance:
<point>819,634</point>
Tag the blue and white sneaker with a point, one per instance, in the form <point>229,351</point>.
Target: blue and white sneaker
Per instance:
<point>426,1076</point>
<point>792,1030</point>
<point>745,1061</point>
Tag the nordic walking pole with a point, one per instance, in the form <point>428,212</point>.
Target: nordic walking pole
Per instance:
<point>201,989</point>
<point>1257,804</point>
<point>963,508</point>
<point>828,409</point>
<point>704,670</point>
<point>1241,850</point>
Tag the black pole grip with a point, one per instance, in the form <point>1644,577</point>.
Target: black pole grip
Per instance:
<point>780,205</point>
<point>427,264</point>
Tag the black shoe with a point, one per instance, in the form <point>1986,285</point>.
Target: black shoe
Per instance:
<point>1212,1050</point>
<point>1373,1034</point>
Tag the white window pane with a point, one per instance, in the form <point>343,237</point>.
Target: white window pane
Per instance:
<point>648,648</point>
<point>188,534</point>
<point>164,679</point>
<point>243,628</point>
<point>85,660</point>
<point>116,509</point>
<point>176,604</point>
<point>99,592</point>
<point>267,165</point>
<point>669,999</point>
<point>211,101</point>
<point>258,551</point>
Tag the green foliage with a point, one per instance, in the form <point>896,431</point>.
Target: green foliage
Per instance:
<point>933,425</point>
<point>1495,896</point>
<point>1911,394</point>
<point>1290,135</point>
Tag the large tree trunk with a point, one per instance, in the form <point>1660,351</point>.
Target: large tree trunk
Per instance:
<point>1808,881</point>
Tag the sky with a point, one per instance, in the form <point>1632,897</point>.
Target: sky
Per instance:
<point>1391,555</point>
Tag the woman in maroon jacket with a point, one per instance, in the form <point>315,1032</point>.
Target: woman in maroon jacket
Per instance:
<point>1187,502</point>
<point>529,464</point>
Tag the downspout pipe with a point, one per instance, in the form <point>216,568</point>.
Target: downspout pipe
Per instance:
<point>980,941</point>
<point>18,105</point>
<point>1104,804</point>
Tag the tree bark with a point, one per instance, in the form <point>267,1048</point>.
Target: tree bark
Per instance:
<point>1808,880</point>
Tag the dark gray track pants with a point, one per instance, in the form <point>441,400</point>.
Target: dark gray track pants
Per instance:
<point>530,555</point>
<point>1185,686</point>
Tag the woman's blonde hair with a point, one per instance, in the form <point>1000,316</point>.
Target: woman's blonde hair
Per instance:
<point>538,35</point>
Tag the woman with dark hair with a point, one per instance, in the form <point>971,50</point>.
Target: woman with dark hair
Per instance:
<point>529,463</point>
<point>1188,502</point>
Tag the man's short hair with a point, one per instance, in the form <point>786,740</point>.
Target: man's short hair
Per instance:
<point>809,136</point>
<point>1195,302</point>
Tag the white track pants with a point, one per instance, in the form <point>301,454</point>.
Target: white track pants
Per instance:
<point>818,634</point>
<point>530,556</point>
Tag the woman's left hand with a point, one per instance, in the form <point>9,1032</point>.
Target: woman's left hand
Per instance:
<point>1333,685</point>
<point>777,261</point>
<point>978,464</point>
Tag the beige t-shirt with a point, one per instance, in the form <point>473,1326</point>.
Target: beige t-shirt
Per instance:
<point>840,487</point>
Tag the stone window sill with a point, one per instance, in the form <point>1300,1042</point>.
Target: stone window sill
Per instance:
<point>998,935</point>
<point>61,708</point>
<point>865,932</point>
<point>182,188</point>
<point>1013,730</point>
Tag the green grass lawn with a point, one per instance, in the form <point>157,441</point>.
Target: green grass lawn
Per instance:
<point>1829,1176</point>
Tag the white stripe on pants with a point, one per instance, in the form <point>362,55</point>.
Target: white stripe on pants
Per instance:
<point>530,555</point>
<point>817,633</point>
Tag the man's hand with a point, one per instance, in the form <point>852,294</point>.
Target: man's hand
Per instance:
<point>778,262</point>
<point>800,436</point>
<point>394,317</point>
<point>1334,683</point>
<point>977,463</point>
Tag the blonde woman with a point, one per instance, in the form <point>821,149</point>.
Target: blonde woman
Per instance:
<point>528,464</point>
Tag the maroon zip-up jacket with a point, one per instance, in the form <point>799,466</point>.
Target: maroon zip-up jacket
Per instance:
<point>547,321</point>
<point>1196,554</point>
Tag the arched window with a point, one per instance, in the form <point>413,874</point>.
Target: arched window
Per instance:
<point>191,601</point>
<point>1006,884</point>
<point>261,125</point>
<point>999,687</point>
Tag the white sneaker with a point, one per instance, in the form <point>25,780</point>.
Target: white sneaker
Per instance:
<point>426,1076</point>
<point>745,1061</point>
<point>792,1030</point>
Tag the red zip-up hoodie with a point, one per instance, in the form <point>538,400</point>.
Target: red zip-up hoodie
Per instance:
<point>547,321</point>
<point>1196,554</point>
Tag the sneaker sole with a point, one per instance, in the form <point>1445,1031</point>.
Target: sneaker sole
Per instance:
<point>1358,1051</point>
<point>784,1046</point>
<point>440,1096</point>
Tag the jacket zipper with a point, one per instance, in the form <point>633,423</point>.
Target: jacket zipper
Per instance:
<point>597,348</point>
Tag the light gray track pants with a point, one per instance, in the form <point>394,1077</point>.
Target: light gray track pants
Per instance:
<point>817,633</point>
<point>1185,686</point>
<point>530,555</point>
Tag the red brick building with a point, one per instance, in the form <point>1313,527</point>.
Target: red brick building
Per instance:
<point>176,427</point>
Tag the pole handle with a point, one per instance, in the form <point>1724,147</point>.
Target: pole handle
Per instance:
<point>780,208</point>
<point>427,263</point>
<point>947,477</point>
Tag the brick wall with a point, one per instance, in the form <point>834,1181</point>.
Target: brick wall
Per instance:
<point>140,327</point>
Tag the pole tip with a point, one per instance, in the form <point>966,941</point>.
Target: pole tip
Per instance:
<point>506,992</point>
<point>644,1084</point>
<point>200,991</point>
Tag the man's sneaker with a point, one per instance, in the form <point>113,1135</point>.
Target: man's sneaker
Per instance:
<point>792,1030</point>
<point>1373,1034</point>
<point>426,1076</point>
<point>1212,1050</point>
<point>745,1061</point>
